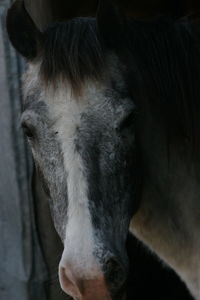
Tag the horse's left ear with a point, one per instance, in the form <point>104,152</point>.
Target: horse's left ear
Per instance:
<point>194,20</point>
<point>111,23</point>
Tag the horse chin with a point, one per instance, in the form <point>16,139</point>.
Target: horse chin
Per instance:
<point>121,296</point>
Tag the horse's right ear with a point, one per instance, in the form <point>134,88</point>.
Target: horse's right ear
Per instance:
<point>111,23</point>
<point>194,20</point>
<point>23,33</point>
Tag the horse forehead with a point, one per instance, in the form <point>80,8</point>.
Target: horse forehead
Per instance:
<point>83,116</point>
<point>61,95</point>
<point>96,96</point>
<point>91,95</point>
<point>97,101</point>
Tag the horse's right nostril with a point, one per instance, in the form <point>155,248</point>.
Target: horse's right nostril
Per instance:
<point>115,273</point>
<point>83,288</point>
<point>68,283</point>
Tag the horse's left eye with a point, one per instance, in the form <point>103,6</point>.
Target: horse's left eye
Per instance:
<point>127,122</point>
<point>27,130</point>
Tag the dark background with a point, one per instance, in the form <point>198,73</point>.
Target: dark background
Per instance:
<point>44,11</point>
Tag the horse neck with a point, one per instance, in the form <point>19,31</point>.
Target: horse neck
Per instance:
<point>178,246</point>
<point>168,218</point>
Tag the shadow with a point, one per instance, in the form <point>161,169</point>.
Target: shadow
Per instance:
<point>149,278</point>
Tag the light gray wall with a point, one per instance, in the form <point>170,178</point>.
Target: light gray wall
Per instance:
<point>29,252</point>
<point>22,268</point>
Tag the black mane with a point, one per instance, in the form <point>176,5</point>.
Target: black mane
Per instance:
<point>163,60</point>
<point>166,55</point>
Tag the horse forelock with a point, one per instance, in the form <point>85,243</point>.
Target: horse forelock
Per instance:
<point>72,51</point>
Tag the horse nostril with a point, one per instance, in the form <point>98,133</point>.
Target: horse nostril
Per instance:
<point>115,274</point>
<point>68,283</point>
<point>85,288</point>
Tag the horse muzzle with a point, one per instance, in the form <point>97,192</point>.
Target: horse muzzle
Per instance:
<point>101,285</point>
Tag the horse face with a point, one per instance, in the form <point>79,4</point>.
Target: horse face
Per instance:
<point>84,150</point>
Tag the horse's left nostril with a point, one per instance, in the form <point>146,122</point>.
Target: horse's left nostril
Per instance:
<point>115,274</point>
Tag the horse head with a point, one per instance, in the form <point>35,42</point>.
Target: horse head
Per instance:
<point>80,123</point>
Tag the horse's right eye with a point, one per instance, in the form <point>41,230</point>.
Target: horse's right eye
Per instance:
<point>27,130</point>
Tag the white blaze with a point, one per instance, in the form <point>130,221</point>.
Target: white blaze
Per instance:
<point>79,239</point>
<point>65,111</point>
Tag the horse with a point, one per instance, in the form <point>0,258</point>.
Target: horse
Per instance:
<point>112,116</point>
